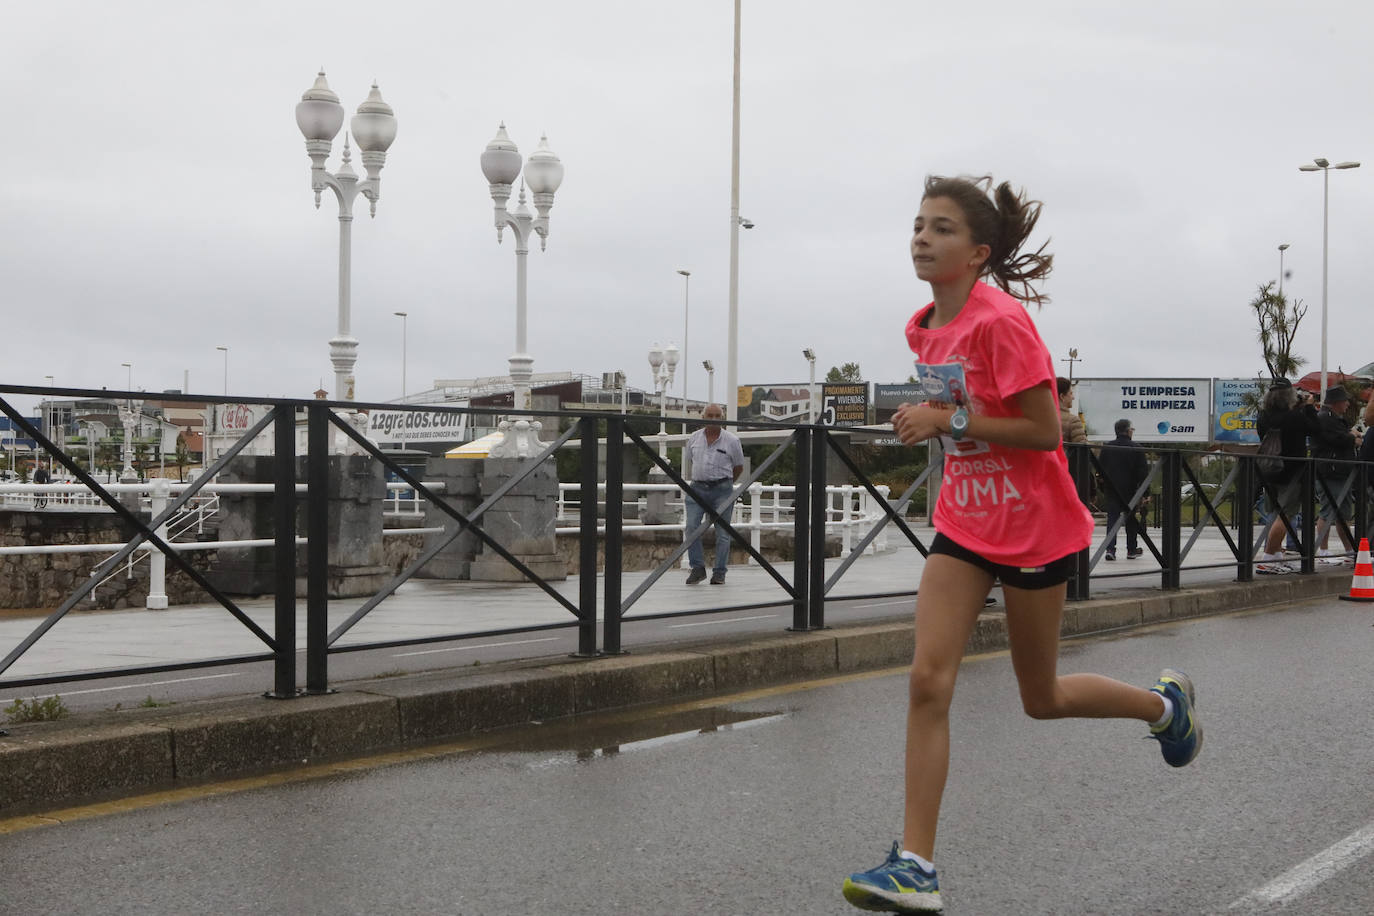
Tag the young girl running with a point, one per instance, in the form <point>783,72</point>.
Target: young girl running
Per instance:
<point>1007,512</point>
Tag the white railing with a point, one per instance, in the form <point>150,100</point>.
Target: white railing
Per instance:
<point>403,499</point>
<point>849,509</point>
<point>153,496</point>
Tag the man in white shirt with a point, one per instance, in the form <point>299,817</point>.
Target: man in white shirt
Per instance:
<point>716,458</point>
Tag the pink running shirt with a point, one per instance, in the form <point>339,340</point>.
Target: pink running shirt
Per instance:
<point>1016,507</point>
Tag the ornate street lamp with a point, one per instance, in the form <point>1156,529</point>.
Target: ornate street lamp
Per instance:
<point>663,364</point>
<point>320,116</point>
<point>543,174</point>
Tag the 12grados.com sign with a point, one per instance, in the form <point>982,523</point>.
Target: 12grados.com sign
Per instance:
<point>410,426</point>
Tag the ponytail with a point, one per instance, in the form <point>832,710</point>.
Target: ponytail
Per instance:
<point>1003,223</point>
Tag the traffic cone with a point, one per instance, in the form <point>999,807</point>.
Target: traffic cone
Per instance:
<point>1362,586</point>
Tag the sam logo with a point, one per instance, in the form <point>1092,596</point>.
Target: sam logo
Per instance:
<point>1163,427</point>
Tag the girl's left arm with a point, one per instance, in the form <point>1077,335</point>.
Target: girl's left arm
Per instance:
<point>1036,429</point>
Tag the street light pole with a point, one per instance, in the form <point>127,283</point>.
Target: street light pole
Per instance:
<point>686,315</point>
<point>710,380</point>
<point>811,386</point>
<point>1325,167</point>
<point>1072,358</point>
<point>47,417</point>
<point>320,116</point>
<point>402,316</point>
<point>1282,249</point>
<point>225,351</point>
<point>543,173</point>
<point>732,356</point>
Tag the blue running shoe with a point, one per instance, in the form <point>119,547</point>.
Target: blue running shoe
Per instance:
<point>897,886</point>
<point>1180,740</point>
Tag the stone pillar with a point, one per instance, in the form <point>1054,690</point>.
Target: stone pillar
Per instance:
<point>460,477</point>
<point>522,522</point>
<point>245,517</point>
<point>357,491</point>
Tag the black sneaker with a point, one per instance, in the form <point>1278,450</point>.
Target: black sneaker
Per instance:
<point>696,575</point>
<point>1110,555</point>
<point>1135,554</point>
<point>717,578</point>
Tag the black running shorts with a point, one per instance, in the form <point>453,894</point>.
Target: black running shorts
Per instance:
<point>1047,576</point>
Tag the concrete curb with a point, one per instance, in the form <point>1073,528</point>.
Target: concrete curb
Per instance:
<point>43,765</point>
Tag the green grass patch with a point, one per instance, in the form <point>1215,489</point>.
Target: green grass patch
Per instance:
<point>48,709</point>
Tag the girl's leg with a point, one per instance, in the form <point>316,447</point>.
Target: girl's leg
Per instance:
<point>1033,631</point>
<point>950,598</point>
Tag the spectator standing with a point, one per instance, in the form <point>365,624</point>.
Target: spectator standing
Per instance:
<point>1333,443</point>
<point>41,475</point>
<point>1292,413</point>
<point>1071,430</point>
<point>1367,418</point>
<point>717,458</point>
<point>1070,423</point>
<point>1125,467</point>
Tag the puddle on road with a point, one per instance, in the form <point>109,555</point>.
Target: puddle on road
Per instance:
<point>589,739</point>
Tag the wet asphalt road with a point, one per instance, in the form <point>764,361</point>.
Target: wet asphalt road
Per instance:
<point>763,804</point>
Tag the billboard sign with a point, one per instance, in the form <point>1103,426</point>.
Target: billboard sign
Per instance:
<point>1233,401</point>
<point>776,403</point>
<point>844,404</point>
<point>405,427</point>
<point>1160,409</point>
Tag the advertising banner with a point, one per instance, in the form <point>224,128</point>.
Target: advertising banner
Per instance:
<point>1160,409</point>
<point>887,398</point>
<point>1234,418</point>
<point>405,427</point>
<point>237,419</point>
<point>777,403</point>
<point>844,404</point>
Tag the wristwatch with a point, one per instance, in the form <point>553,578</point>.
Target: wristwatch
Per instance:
<point>958,424</point>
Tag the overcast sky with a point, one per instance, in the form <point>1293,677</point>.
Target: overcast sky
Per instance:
<point>156,198</point>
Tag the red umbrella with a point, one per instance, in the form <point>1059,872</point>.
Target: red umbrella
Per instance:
<point>1312,382</point>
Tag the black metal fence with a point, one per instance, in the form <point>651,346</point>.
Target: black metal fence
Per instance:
<point>804,588</point>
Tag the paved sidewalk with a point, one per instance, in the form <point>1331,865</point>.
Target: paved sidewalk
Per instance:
<point>88,640</point>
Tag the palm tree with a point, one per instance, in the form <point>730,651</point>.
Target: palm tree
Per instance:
<point>1278,321</point>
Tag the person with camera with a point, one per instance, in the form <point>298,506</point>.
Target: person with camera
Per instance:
<point>1334,446</point>
<point>1290,411</point>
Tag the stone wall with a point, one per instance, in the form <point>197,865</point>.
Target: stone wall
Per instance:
<point>400,550</point>
<point>44,581</point>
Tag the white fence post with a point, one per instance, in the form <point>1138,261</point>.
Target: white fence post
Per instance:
<point>755,520</point>
<point>157,561</point>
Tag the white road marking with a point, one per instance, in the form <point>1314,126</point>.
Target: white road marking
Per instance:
<point>1306,875</point>
<point>139,686</point>
<point>485,645</point>
<point>707,623</point>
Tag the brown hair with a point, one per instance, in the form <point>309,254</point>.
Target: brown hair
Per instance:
<point>1003,222</point>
